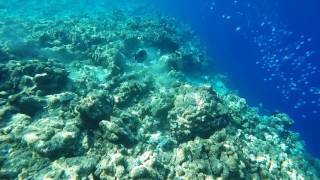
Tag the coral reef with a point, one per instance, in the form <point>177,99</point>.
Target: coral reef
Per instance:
<point>43,76</point>
<point>196,112</point>
<point>95,107</point>
<point>114,96</point>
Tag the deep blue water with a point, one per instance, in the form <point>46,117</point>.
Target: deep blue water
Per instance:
<point>232,31</point>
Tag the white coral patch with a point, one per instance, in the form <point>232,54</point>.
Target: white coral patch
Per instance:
<point>155,137</point>
<point>67,134</point>
<point>31,138</point>
<point>199,101</point>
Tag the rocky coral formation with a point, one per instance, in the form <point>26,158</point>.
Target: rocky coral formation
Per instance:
<point>196,112</point>
<point>113,96</point>
<point>43,76</point>
<point>54,137</point>
<point>95,107</point>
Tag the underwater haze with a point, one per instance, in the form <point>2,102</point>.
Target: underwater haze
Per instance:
<point>149,89</point>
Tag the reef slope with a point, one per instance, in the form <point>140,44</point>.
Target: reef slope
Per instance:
<point>117,96</point>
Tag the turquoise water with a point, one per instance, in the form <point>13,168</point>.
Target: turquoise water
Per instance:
<point>155,90</point>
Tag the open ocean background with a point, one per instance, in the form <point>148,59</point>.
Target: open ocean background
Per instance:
<point>232,30</point>
<point>269,50</point>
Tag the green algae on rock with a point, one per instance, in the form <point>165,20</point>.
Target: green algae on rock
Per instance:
<point>114,96</point>
<point>95,107</point>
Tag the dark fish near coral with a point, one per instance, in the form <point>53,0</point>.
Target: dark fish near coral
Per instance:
<point>141,55</point>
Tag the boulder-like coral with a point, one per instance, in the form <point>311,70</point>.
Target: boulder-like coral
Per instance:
<point>95,107</point>
<point>52,137</point>
<point>114,165</point>
<point>160,104</point>
<point>29,105</point>
<point>118,132</point>
<point>196,112</point>
<point>146,166</point>
<point>235,155</point>
<point>110,58</point>
<point>14,130</point>
<point>46,76</point>
<point>70,168</point>
<point>130,91</point>
<point>236,107</point>
<point>23,159</point>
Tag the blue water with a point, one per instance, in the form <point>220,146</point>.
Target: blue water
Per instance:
<point>269,51</point>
